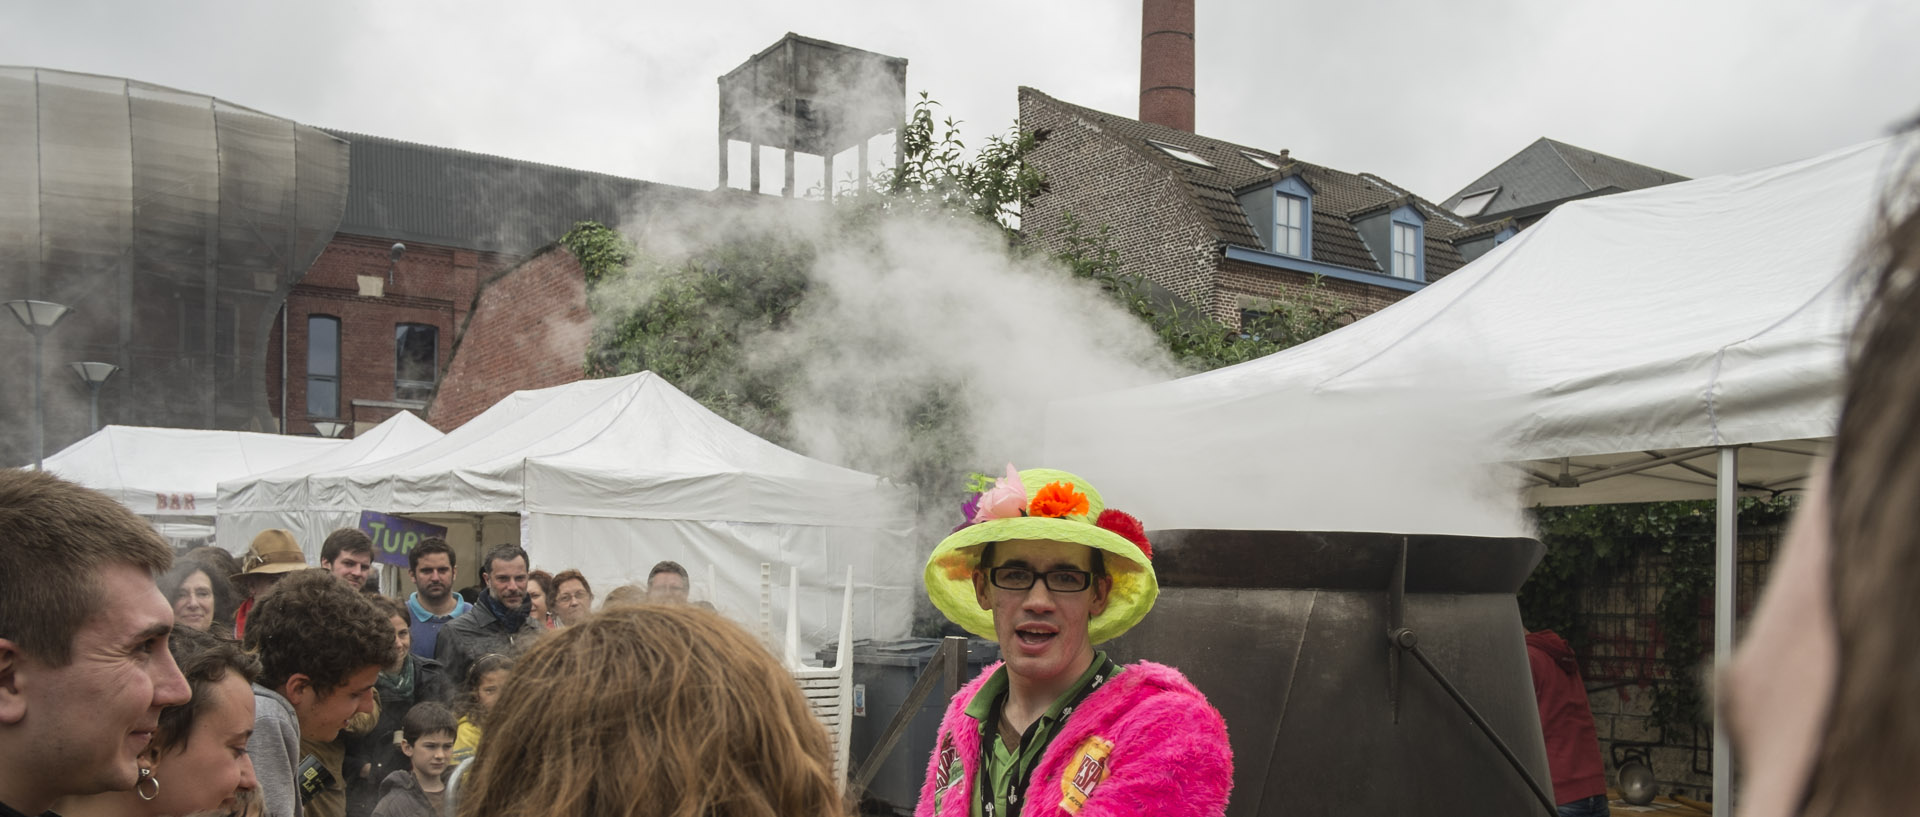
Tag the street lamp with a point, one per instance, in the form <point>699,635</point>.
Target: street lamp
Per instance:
<point>328,429</point>
<point>95,375</point>
<point>38,317</point>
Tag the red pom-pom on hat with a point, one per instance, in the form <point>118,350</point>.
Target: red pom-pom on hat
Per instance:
<point>1128,527</point>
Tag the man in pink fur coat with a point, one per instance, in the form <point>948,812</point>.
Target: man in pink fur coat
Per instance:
<point>1042,566</point>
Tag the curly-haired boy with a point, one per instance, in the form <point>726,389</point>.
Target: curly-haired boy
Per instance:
<point>321,647</point>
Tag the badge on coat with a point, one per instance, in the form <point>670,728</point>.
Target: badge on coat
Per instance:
<point>1088,766</point>
<point>947,769</point>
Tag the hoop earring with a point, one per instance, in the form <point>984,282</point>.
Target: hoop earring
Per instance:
<point>146,779</point>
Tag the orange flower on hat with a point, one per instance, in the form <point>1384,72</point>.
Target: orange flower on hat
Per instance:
<point>1057,499</point>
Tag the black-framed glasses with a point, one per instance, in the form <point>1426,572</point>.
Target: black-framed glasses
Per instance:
<point>1065,580</point>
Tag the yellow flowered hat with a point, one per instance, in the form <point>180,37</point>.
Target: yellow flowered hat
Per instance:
<point>1042,503</point>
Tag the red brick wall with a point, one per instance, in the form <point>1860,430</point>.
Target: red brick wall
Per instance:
<point>432,285</point>
<point>529,330</point>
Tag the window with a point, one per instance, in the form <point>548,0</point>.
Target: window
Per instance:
<point>1406,251</point>
<point>323,366</point>
<point>1260,160</point>
<point>1289,224</point>
<point>1475,203</point>
<point>1180,153</point>
<point>416,360</point>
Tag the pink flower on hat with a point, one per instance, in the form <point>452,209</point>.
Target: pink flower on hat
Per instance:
<point>1006,500</point>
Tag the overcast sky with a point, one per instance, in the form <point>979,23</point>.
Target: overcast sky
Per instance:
<point>1427,94</point>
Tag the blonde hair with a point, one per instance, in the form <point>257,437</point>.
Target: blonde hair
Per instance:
<point>652,711</point>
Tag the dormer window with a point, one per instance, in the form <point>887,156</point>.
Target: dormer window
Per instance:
<point>1180,153</point>
<point>1292,218</point>
<point>1260,160</point>
<point>1408,244</point>
<point>1475,203</point>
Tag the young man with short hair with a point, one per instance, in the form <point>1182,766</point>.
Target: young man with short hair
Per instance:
<point>500,622</point>
<point>427,735</point>
<point>667,584</point>
<point>348,555</point>
<point>1043,567</point>
<point>433,602</point>
<point>321,647</point>
<point>84,664</point>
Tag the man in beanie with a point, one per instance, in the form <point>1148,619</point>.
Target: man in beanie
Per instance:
<point>1043,567</point>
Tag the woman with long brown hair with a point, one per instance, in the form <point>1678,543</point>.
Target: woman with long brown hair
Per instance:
<point>651,711</point>
<point>1820,698</point>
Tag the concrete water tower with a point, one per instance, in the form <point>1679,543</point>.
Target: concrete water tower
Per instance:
<point>811,96</point>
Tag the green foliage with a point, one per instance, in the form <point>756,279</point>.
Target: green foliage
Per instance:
<point>936,175</point>
<point>601,251</point>
<point>693,321</point>
<point>1592,546</point>
<point>1196,340</point>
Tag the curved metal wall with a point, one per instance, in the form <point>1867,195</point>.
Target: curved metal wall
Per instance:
<point>174,225</point>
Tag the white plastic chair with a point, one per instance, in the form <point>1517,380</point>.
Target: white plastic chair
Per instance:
<point>829,690</point>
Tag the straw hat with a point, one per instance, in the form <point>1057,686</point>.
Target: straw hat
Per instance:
<point>273,551</point>
<point>1057,506</point>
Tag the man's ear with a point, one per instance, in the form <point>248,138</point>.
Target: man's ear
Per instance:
<point>981,590</point>
<point>13,701</point>
<point>298,689</point>
<point>1102,592</point>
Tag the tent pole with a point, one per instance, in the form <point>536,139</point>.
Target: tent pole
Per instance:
<point>1725,578</point>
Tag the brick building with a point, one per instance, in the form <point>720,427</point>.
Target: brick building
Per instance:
<point>373,328</point>
<point>1232,228</point>
<point>529,330</point>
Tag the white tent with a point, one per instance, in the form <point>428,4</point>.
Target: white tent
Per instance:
<point>610,476</point>
<point>1623,349</point>
<point>170,474</point>
<point>280,498</point>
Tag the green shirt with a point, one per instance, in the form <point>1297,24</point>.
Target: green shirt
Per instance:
<point>1005,766</point>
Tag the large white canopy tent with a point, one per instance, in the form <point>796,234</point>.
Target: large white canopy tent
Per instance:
<point>170,475</point>
<point>610,476</point>
<point>280,498</point>
<point>1627,348</point>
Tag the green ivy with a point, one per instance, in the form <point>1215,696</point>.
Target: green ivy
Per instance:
<point>1592,546</point>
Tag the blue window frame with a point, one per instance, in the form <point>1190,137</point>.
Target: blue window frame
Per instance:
<point>1293,218</point>
<point>1408,245</point>
<point>1289,225</point>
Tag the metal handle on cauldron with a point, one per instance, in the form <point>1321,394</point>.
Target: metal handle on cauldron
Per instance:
<point>1405,639</point>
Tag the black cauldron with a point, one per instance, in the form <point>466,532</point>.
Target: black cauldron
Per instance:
<point>1331,656</point>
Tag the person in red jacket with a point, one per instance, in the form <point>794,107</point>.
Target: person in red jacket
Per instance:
<point>1573,748</point>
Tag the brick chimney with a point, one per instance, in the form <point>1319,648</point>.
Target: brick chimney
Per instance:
<point>1166,63</point>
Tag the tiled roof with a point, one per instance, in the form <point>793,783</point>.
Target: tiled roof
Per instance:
<point>1338,197</point>
<point>1547,172</point>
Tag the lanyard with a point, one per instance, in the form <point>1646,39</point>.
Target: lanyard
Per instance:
<point>1022,773</point>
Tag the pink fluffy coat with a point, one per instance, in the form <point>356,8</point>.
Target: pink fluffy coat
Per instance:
<point>1170,753</point>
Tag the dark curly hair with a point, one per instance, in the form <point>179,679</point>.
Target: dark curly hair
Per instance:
<point>205,659</point>
<point>313,625</point>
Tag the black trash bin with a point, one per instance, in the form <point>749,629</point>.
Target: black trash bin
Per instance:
<point>883,673</point>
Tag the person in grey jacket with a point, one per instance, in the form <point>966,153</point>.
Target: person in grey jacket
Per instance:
<point>501,622</point>
<point>321,647</point>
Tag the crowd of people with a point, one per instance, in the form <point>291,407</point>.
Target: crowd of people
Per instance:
<point>133,682</point>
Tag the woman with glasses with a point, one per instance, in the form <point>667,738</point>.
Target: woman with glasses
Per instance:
<point>572,598</point>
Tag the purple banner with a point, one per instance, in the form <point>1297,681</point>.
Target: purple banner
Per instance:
<point>394,536</point>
